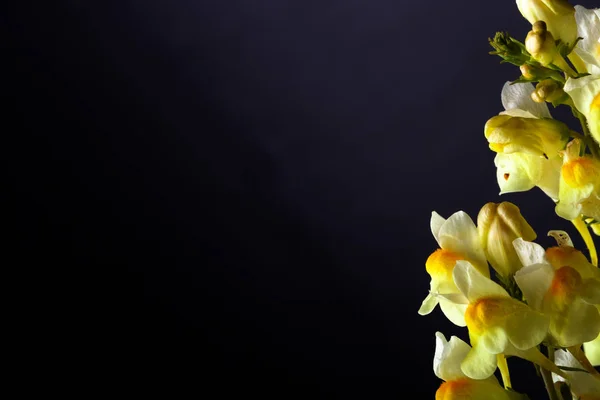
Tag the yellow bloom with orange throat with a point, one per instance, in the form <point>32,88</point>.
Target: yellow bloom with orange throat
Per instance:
<point>458,240</point>
<point>521,171</point>
<point>563,294</point>
<point>498,324</point>
<point>579,186</point>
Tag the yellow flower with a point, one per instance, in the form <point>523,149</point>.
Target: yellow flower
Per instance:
<point>521,171</point>
<point>583,385</point>
<point>498,324</point>
<point>538,137</point>
<point>561,294</point>
<point>498,225</point>
<point>579,184</point>
<point>457,386</point>
<point>458,240</point>
<point>565,254</point>
<point>559,16</point>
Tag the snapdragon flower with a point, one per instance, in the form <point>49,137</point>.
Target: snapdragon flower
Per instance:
<point>458,386</point>
<point>458,240</point>
<point>521,171</point>
<point>561,293</point>
<point>579,185</point>
<point>498,324</point>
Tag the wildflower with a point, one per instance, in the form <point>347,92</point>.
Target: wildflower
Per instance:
<point>498,324</point>
<point>457,386</point>
<point>561,293</point>
<point>521,171</point>
<point>579,186</point>
<point>540,137</point>
<point>458,240</point>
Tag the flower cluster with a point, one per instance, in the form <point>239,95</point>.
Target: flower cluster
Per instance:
<point>515,297</point>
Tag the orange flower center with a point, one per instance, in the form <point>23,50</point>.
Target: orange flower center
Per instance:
<point>580,171</point>
<point>456,389</point>
<point>440,263</point>
<point>565,283</point>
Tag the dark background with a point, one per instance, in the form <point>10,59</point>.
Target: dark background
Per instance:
<point>235,195</point>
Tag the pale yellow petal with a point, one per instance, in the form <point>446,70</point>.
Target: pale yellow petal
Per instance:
<point>529,252</point>
<point>473,284</point>
<point>534,281</point>
<point>454,312</point>
<point>428,304</point>
<point>592,351</point>
<point>448,356</point>
<point>479,363</point>
<point>436,224</point>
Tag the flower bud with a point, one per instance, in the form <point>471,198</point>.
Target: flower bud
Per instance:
<point>548,90</point>
<point>498,225</point>
<point>540,44</point>
<point>559,16</point>
<point>536,73</point>
<point>543,137</point>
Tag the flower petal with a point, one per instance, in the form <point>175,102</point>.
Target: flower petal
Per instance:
<point>534,281</point>
<point>448,356</point>
<point>494,340</point>
<point>588,28</point>
<point>436,224</point>
<point>526,328</point>
<point>459,235</point>
<point>529,252</point>
<point>479,363</point>
<point>428,304</point>
<point>473,284</point>
<point>453,311</point>
<point>590,291</point>
<point>578,324</point>
<point>517,172</point>
<point>518,96</point>
<point>592,351</point>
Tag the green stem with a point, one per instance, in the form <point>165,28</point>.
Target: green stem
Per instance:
<point>547,376</point>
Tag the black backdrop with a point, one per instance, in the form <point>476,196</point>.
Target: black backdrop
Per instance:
<point>235,195</point>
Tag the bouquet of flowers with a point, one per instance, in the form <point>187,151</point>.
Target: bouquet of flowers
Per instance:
<point>542,305</point>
